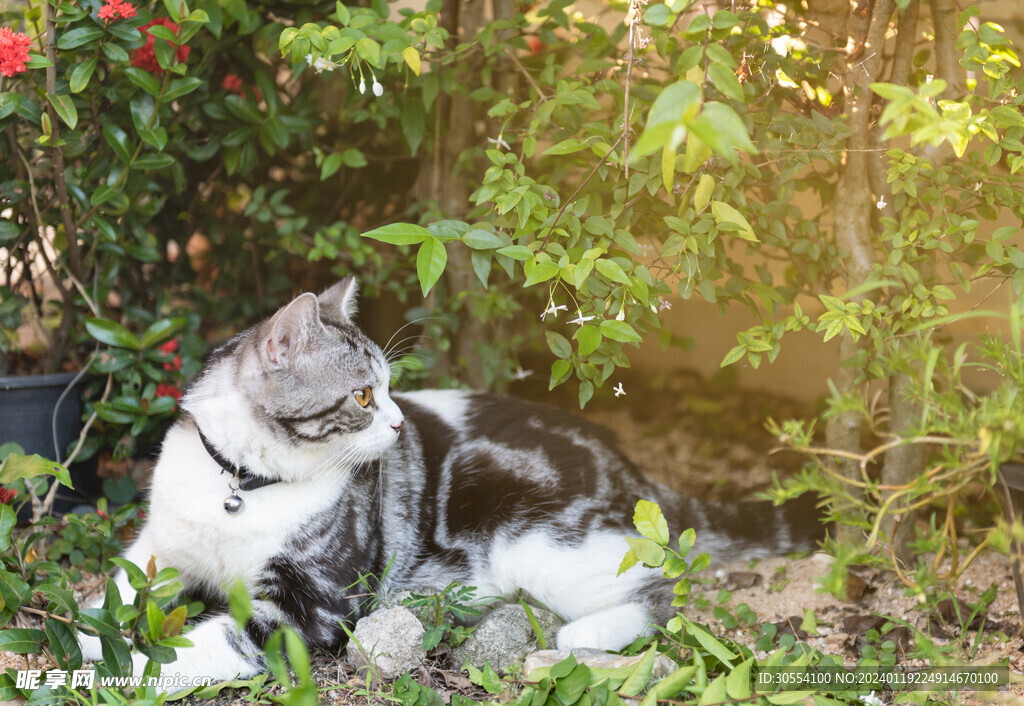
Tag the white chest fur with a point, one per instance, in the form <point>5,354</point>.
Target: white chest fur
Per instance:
<point>190,530</point>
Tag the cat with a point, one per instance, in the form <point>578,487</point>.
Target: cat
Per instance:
<point>341,478</point>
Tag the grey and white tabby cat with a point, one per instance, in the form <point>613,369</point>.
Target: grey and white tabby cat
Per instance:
<point>338,477</point>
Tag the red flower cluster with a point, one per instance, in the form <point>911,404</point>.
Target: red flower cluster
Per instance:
<point>234,83</point>
<point>145,58</point>
<point>116,8</point>
<point>13,51</point>
<point>170,347</point>
<point>7,495</point>
<point>165,389</point>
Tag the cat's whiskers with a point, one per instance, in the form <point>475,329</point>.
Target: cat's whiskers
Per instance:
<point>405,326</point>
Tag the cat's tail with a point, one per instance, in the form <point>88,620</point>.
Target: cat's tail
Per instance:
<point>748,529</point>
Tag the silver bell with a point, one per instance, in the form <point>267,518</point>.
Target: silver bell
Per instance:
<point>233,505</point>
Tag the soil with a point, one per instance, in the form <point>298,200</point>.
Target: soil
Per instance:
<point>707,438</point>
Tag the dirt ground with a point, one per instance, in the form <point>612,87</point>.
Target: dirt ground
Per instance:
<point>708,439</point>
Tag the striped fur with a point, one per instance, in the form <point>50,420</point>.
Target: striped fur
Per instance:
<point>443,485</point>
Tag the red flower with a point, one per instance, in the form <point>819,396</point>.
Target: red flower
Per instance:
<point>174,364</point>
<point>167,390</point>
<point>7,495</point>
<point>13,51</point>
<point>233,83</point>
<point>145,58</point>
<point>170,346</point>
<point>116,8</point>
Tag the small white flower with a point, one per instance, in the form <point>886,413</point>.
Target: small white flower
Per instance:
<point>619,392</point>
<point>320,64</point>
<point>881,203</point>
<point>553,310</point>
<point>362,85</point>
<point>871,700</point>
<point>499,141</point>
<point>521,374</point>
<point>581,319</point>
<point>378,90</point>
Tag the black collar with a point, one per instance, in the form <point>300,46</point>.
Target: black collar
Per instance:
<point>246,479</point>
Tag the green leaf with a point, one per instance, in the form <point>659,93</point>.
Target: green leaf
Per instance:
<point>570,688</point>
<point>144,80</point>
<point>17,466</point>
<point>650,522</point>
<point>9,102</point>
<point>430,263</point>
<point>537,272</point>
<point>674,682</point>
<point>686,541</point>
<point>641,674</point>
<point>75,38</point>
<point>330,165</point>
<point>517,252</point>
<point>560,371</point>
<point>710,643</point>
<point>612,270</point>
<point>22,641</point>
<point>619,331</point>
<point>242,109</point>
<point>737,684</point>
<point>647,551</point>
<point>118,141</point>
<point>81,74</point>
<point>369,51</point>
<point>723,78</point>
<point>726,215</point>
<point>573,144</point>
<point>558,344</point>
<point>65,108</point>
<point>588,338</point>
<point>480,239</point>
<point>148,162</point>
<point>399,234</point>
<point>628,562</point>
<point>63,643</point>
<point>412,59</point>
<point>111,333</point>
<point>181,86</point>
<point>702,194</point>
<point>8,519</point>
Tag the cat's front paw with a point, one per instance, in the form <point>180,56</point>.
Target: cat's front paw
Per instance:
<point>610,629</point>
<point>92,650</point>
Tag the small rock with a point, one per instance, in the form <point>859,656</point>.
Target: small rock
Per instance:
<point>596,659</point>
<point>837,640</point>
<point>504,637</point>
<point>389,641</point>
<point>737,580</point>
<point>855,587</point>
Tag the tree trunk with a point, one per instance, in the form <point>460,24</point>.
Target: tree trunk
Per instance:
<point>905,463</point>
<point>866,25</point>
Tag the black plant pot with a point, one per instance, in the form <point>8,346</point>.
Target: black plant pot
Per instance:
<point>27,405</point>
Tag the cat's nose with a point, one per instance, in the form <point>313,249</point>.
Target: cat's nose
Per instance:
<point>398,427</point>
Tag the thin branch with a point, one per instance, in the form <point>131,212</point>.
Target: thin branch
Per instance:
<point>511,55</point>
<point>578,189</point>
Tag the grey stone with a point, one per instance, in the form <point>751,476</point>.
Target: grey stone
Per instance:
<point>389,641</point>
<point>596,659</point>
<point>504,637</point>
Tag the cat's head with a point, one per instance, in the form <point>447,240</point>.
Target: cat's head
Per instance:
<point>314,383</point>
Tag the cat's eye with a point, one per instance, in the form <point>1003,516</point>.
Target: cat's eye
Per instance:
<point>364,396</point>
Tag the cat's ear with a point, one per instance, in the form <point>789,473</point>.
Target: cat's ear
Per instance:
<point>338,303</point>
<point>290,330</point>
